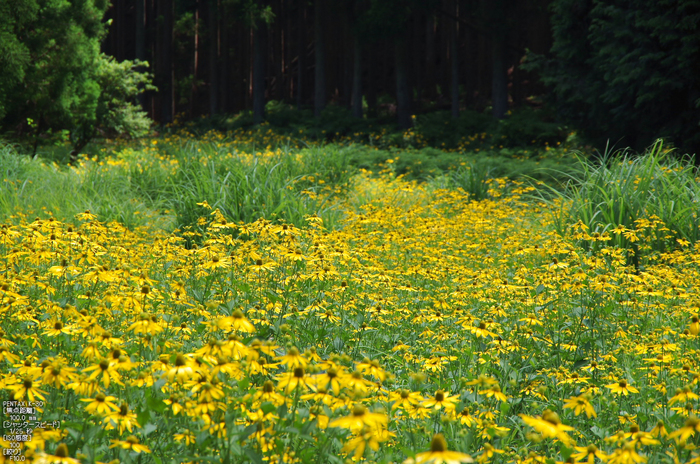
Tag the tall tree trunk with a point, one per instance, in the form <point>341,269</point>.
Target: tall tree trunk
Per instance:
<point>167,78</point>
<point>301,58</point>
<point>259,57</point>
<point>357,77</point>
<point>320,58</point>
<point>417,64</point>
<point>276,92</point>
<point>499,79</point>
<point>211,23</point>
<point>140,40</point>
<point>140,31</point>
<point>454,60</point>
<point>120,26</point>
<point>371,81</point>
<point>430,57</point>
<point>196,58</point>
<point>403,97</point>
<point>499,70</point>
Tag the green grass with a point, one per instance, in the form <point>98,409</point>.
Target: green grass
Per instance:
<point>625,197</point>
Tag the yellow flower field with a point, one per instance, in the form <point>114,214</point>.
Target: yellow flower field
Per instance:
<point>425,328</point>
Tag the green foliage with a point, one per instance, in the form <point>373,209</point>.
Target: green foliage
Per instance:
<point>14,54</point>
<point>440,129</point>
<point>58,80</point>
<point>57,44</point>
<point>655,195</point>
<point>527,126</point>
<point>523,127</point>
<point>114,113</point>
<point>627,70</point>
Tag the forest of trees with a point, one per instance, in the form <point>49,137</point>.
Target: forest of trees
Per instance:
<point>216,56</point>
<point>622,70</point>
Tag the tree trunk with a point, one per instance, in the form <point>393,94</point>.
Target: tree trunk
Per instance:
<point>430,57</point>
<point>371,81</point>
<point>320,58</point>
<point>140,41</point>
<point>211,24</point>
<point>167,78</point>
<point>229,94</point>
<point>454,61</point>
<point>301,59</point>
<point>403,97</point>
<point>357,77</point>
<point>140,31</point>
<point>499,70</point>
<point>259,56</point>
<point>499,79</point>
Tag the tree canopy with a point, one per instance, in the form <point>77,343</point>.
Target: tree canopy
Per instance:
<point>627,71</point>
<point>54,75</point>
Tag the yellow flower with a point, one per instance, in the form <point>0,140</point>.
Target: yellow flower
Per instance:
<point>692,425</point>
<point>441,400</point>
<point>297,378</point>
<point>101,404</point>
<point>626,455</point>
<point>489,452</point>
<point>439,454</point>
<point>360,418</point>
<point>589,453</point>
<point>28,388</point>
<point>123,418</point>
<point>240,322</point>
<point>183,369</point>
<point>293,359</point>
<point>57,328</point>
<point>683,395</point>
<point>58,374</point>
<point>367,436</point>
<point>261,265</point>
<point>405,399</point>
<point>549,426</point>
<point>580,404</point>
<point>494,391</point>
<point>104,371</point>
<point>622,387</point>
<point>60,456</point>
<point>188,437</point>
<point>333,378</point>
<point>372,367</point>
<point>131,443</point>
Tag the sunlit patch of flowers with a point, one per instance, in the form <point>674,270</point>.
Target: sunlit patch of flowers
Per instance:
<point>425,319</point>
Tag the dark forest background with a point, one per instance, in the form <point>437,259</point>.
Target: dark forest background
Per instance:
<point>416,55</point>
<point>623,70</point>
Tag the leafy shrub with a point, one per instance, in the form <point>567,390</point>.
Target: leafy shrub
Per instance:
<point>439,129</point>
<point>115,113</point>
<point>282,115</point>
<point>526,126</point>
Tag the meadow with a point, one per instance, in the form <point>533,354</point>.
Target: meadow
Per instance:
<point>231,298</point>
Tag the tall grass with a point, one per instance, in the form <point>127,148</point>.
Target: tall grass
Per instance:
<point>32,187</point>
<point>644,204</point>
<point>285,186</point>
<point>161,189</point>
